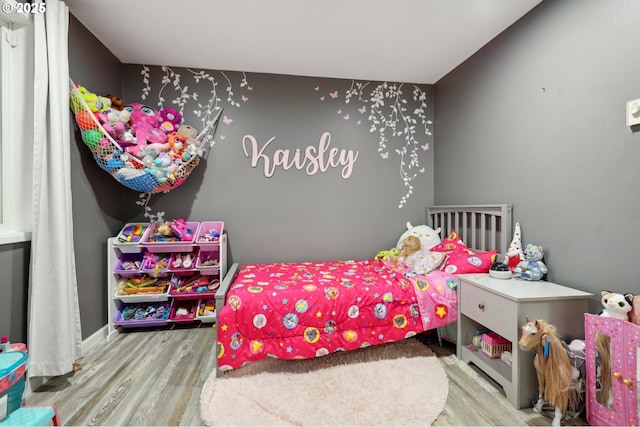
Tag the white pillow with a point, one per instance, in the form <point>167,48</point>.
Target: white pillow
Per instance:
<point>425,261</point>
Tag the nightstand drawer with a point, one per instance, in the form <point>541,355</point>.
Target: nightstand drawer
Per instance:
<point>492,311</point>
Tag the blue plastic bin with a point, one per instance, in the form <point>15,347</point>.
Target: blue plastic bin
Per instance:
<point>13,365</point>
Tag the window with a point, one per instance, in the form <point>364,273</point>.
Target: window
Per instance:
<point>16,118</point>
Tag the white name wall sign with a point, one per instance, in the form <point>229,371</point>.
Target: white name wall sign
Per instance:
<point>313,159</point>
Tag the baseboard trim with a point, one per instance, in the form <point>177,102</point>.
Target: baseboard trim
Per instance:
<point>87,345</point>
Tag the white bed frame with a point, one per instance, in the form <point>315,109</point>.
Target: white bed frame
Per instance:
<point>481,227</point>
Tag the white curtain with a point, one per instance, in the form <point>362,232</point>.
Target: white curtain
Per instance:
<point>54,333</point>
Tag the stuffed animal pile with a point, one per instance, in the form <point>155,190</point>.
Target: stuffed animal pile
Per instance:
<point>154,144</point>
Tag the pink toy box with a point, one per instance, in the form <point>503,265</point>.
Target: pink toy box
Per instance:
<point>493,345</point>
<point>153,244</point>
<point>209,234</point>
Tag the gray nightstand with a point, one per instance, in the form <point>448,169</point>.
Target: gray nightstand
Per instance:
<point>502,306</point>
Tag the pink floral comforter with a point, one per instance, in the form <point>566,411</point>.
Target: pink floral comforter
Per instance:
<point>310,309</point>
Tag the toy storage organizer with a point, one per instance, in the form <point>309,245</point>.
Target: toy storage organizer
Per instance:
<point>179,288</point>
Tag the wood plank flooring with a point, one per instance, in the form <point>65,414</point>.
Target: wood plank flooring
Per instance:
<point>154,378</point>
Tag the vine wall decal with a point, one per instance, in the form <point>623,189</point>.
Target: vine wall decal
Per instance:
<point>199,96</point>
<point>396,113</point>
<point>389,116</point>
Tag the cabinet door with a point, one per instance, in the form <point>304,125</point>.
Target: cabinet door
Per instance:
<point>629,380</point>
<point>613,399</point>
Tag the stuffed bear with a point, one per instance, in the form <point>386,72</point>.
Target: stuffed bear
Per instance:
<point>410,245</point>
<point>616,305</point>
<point>532,267</point>
<point>193,146</point>
<point>116,103</point>
<point>169,119</point>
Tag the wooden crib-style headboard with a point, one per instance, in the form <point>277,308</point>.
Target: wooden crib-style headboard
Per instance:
<point>481,227</point>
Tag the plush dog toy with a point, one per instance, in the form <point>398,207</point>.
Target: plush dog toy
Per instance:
<point>532,267</point>
<point>410,245</point>
<point>116,103</point>
<point>616,305</point>
<point>427,235</point>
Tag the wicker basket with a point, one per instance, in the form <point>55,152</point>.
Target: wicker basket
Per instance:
<point>129,170</point>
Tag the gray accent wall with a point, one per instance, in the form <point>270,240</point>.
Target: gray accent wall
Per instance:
<point>537,118</point>
<point>294,215</point>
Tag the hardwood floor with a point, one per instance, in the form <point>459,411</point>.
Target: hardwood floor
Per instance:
<point>154,378</point>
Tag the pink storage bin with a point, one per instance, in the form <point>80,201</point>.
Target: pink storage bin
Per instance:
<point>493,345</point>
<point>197,286</point>
<point>184,311</point>
<point>178,260</point>
<point>208,262</point>
<point>149,240</point>
<point>126,265</point>
<point>143,314</point>
<point>209,234</point>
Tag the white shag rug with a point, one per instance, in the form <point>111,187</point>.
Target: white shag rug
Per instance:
<point>400,383</point>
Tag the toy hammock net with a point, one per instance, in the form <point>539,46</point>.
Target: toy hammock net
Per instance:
<point>142,166</point>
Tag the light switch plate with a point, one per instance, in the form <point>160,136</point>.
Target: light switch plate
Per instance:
<point>633,112</point>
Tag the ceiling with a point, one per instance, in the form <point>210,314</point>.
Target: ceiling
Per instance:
<point>413,41</point>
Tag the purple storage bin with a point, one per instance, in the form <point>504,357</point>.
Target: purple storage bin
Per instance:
<point>149,240</point>
<point>156,264</point>
<point>143,315</point>
<point>126,265</point>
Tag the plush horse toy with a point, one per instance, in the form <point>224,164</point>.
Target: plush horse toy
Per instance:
<point>560,370</point>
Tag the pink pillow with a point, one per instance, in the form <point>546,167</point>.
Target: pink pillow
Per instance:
<point>462,262</point>
<point>452,242</point>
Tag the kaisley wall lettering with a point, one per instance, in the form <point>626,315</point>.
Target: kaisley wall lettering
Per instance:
<point>312,160</point>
